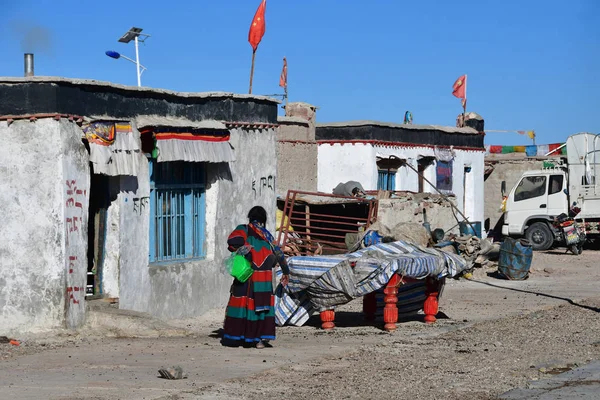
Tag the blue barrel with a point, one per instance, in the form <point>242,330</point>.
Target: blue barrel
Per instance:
<point>465,228</point>
<point>515,259</point>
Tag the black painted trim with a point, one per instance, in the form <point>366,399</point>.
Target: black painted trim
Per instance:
<point>401,135</point>
<point>95,100</point>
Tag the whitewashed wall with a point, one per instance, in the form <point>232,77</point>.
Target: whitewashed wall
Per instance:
<point>190,288</point>
<point>44,186</point>
<point>358,162</point>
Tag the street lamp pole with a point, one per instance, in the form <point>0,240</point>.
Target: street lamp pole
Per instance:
<point>137,62</point>
<point>137,36</point>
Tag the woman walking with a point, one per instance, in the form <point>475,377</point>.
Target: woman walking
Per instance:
<point>250,315</point>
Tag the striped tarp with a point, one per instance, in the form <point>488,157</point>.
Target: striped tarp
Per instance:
<point>324,282</point>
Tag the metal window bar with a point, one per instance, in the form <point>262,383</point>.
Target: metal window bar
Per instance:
<point>178,210</point>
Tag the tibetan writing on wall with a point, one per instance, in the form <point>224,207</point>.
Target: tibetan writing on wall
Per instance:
<point>75,207</point>
<point>265,183</point>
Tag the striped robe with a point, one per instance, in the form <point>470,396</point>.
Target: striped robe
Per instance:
<point>250,315</point>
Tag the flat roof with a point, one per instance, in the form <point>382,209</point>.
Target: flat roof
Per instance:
<point>448,129</point>
<point>91,98</point>
<point>110,85</point>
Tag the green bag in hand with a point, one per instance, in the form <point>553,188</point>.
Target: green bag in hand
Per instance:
<point>239,267</point>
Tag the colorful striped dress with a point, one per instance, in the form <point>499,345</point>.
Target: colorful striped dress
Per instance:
<point>250,315</point>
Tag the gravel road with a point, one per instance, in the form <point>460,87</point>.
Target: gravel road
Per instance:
<point>494,335</point>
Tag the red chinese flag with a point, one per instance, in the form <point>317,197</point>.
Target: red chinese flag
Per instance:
<point>257,29</point>
<point>283,76</point>
<point>460,87</point>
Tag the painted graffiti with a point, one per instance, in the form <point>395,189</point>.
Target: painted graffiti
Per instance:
<point>75,195</point>
<point>265,183</point>
<point>73,293</point>
<point>74,219</point>
<point>140,204</point>
<point>75,200</point>
<point>72,261</point>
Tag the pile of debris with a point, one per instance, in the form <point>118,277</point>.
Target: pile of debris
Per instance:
<point>479,253</point>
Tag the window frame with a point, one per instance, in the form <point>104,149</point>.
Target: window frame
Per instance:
<point>550,181</point>
<point>190,194</point>
<point>444,164</point>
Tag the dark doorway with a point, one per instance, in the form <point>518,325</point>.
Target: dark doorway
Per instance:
<point>98,212</point>
<point>422,165</point>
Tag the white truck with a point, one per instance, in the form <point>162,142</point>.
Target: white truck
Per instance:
<point>541,195</point>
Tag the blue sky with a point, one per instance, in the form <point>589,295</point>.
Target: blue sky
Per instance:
<point>531,64</point>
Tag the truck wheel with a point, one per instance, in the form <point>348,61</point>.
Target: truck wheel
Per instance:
<point>540,236</point>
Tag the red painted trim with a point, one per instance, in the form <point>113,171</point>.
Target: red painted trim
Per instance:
<point>183,136</point>
<point>396,144</point>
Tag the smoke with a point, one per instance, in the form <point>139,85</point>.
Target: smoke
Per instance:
<point>34,38</point>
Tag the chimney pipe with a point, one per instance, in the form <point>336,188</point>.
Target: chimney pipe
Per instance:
<point>28,64</point>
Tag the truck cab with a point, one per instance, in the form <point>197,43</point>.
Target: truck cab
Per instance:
<point>532,204</point>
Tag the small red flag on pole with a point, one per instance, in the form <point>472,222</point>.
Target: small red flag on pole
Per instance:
<point>459,89</point>
<point>256,33</point>
<point>283,79</point>
<point>283,76</point>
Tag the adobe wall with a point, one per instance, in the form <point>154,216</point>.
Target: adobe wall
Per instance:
<point>509,171</point>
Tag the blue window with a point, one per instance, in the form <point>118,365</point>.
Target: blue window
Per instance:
<point>386,180</point>
<point>177,210</point>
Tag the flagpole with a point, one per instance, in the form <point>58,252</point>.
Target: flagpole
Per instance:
<point>286,83</point>
<point>465,103</point>
<point>252,70</point>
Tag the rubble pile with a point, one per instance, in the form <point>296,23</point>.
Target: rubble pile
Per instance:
<point>477,252</point>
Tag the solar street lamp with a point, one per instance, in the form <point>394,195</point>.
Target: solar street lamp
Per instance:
<point>137,36</point>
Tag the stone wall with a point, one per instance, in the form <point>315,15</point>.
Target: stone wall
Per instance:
<point>297,150</point>
<point>296,167</point>
<point>412,207</point>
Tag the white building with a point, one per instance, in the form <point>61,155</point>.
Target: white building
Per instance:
<point>374,153</point>
<point>124,192</point>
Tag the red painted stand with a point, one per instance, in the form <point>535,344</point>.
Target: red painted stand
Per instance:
<point>370,306</point>
<point>390,310</point>
<point>430,306</point>
<point>327,318</point>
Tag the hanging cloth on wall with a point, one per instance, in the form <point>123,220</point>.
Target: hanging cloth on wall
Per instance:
<point>114,148</point>
<point>443,154</point>
<point>192,144</point>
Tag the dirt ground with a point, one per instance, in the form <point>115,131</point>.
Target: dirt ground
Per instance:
<point>494,335</point>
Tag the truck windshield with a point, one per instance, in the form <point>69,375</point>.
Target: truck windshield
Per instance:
<point>530,187</point>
